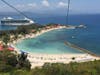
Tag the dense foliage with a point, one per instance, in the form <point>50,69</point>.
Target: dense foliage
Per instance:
<point>8,62</point>
<point>23,30</point>
<point>14,64</point>
<point>86,68</point>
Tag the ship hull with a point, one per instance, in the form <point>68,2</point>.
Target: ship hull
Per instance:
<point>14,22</point>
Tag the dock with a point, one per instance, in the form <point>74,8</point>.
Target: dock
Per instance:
<point>81,49</point>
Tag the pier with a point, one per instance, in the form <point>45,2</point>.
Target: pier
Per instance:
<point>81,49</point>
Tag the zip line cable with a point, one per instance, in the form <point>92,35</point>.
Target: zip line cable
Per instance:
<point>15,9</point>
<point>68,12</point>
<point>29,18</point>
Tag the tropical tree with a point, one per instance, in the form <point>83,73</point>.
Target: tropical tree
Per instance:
<point>7,60</point>
<point>16,36</point>
<point>23,62</point>
<point>6,39</point>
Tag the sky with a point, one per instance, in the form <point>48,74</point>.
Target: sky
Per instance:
<point>53,6</point>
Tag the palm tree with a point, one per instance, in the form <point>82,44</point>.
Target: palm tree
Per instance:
<point>23,62</point>
<point>6,39</point>
<point>16,36</point>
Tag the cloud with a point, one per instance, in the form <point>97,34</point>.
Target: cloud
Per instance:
<point>32,5</point>
<point>26,5</point>
<point>45,3</point>
<point>62,4</point>
<point>42,6</point>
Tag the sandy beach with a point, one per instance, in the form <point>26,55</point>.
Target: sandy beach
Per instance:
<point>40,59</point>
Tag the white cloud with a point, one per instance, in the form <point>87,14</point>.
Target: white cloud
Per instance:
<point>62,4</point>
<point>29,5</point>
<point>45,3</point>
<point>26,7</point>
<point>32,5</point>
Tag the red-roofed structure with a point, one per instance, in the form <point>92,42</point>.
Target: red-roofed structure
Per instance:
<point>10,48</point>
<point>1,48</point>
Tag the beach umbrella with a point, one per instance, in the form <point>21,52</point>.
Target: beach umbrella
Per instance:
<point>1,48</point>
<point>22,51</point>
<point>10,48</point>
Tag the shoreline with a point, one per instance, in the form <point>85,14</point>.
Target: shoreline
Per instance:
<point>38,59</point>
<point>33,35</point>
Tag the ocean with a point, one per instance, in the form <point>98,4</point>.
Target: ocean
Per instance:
<point>88,38</point>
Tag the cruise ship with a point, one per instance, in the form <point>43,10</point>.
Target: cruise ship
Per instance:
<point>16,22</point>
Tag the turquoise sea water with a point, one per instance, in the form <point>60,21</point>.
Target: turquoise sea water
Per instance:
<point>88,38</point>
<point>51,43</point>
<point>7,27</point>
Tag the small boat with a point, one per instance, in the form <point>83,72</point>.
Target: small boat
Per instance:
<point>70,27</point>
<point>81,26</point>
<point>73,37</point>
